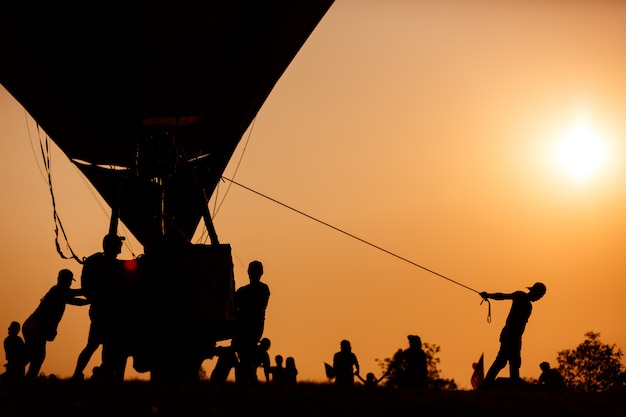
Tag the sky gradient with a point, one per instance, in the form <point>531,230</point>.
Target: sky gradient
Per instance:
<point>426,128</point>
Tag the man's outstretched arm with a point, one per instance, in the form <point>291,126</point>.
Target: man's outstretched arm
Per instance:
<point>497,295</point>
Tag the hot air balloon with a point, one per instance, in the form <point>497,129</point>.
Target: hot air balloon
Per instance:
<point>149,99</point>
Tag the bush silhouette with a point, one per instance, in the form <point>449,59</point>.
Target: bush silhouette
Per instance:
<point>592,366</point>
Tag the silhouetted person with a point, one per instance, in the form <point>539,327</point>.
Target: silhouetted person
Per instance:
<point>15,353</point>
<point>291,372</point>
<point>250,304</point>
<point>100,284</point>
<point>550,378</point>
<point>345,365</point>
<point>511,335</point>
<point>226,360</point>
<point>262,359</point>
<point>416,368</point>
<point>370,381</point>
<point>409,367</point>
<point>41,326</point>
<point>278,371</point>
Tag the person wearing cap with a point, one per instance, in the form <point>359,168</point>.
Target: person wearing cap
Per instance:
<point>41,326</point>
<point>100,282</point>
<point>511,335</point>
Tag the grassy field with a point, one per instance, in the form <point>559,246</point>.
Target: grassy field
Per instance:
<point>139,398</point>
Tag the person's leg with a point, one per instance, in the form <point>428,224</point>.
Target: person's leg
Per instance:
<point>226,361</point>
<point>36,351</point>
<point>93,342</point>
<point>110,350</point>
<point>498,364</point>
<point>84,357</point>
<point>119,359</point>
<point>515,361</point>
<point>246,371</point>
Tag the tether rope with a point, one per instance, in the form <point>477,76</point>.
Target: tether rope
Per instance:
<point>47,177</point>
<point>243,152</point>
<point>45,153</point>
<point>364,241</point>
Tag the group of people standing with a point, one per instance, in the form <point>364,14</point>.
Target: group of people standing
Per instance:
<point>248,349</point>
<point>285,375</point>
<point>102,291</point>
<point>408,367</point>
<point>41,326</point>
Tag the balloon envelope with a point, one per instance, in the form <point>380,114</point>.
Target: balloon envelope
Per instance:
<point>150,99</point>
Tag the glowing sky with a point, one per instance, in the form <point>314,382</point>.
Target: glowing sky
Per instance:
<point>427,128</point>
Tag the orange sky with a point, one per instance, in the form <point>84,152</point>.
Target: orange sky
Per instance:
<point>424,127</point>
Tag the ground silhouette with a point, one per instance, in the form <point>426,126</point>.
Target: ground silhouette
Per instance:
<point>142,398</point>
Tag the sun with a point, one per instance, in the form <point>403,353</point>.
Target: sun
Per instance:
<point>581,152</point>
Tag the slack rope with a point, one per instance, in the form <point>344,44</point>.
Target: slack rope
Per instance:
<point>366,242</point>
<point>58,226</point>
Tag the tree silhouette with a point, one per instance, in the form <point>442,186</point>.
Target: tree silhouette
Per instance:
<point>592,366</point>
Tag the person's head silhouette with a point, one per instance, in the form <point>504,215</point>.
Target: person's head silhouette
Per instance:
<point>265,343</point>
<point>14,328</point>
<point>65,278</point>
<point>345,346</point>
<point>414,341</point>
<point>537,291</point>
<point>112,244</point>
<point>255,271</point>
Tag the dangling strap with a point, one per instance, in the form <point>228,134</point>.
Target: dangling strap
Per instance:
<point>488,309</point>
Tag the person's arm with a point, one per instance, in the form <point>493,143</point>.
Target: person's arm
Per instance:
<point>76,291</point>
<point>497,295</point>
<point>77,301</point>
